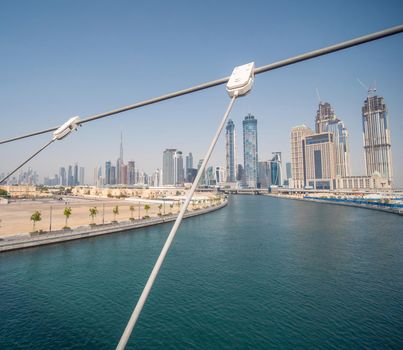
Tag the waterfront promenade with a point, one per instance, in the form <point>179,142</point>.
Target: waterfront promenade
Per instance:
<point>15,216</point>
<point>33,240</point>
<point>395,207</point>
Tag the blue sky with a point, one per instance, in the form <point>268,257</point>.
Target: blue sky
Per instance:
<point>65,58</point>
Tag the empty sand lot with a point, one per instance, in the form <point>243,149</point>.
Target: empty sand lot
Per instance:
<point>16,216</point>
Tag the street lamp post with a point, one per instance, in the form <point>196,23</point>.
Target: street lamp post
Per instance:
<point>50,220</point>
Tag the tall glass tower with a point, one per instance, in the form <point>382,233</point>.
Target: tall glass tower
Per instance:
<point>376,136</point>
<point>250,151</point>
<point>168,167</point>
<point>230,151</point>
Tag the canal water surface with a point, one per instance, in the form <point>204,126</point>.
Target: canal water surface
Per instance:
<point>261,273</point>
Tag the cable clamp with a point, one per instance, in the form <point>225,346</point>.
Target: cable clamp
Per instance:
<point>66,128</point>
<point>241,80</point>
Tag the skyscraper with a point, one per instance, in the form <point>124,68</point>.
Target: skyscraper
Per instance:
<point>324,115</point>
<point>108,173</point>
<point>298,133</point>
<point>178,168</point>
<point>343,166</point>
<point>319,159</point>
<point>220,175</point>
<point>168,167</point>
<point>75,180</point>
<point>131,172</point>
<point>230,151</point>
<point>62,176</point>
<point>119,162</point>
<point>264,178</point>
<point>376,136</point>
<point>250,151</point>
<point>276,169</point>
<point>113,176</point>
<point>189,165</point>
<point>326,121</point>
<point>202,181</point>
<point>70,178</point>
<point>81,176</point>
<point>288,170</point>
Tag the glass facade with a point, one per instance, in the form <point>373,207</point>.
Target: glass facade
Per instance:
<point>250,151</point>
<point>231,164</point>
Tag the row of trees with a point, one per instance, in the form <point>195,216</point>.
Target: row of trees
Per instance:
<point>67,212</point>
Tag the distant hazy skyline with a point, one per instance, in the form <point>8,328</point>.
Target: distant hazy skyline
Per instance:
<point>66,58</point>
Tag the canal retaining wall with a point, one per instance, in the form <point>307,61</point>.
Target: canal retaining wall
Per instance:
<point>28,241</point>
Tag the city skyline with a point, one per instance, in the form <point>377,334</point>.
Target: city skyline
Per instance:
<point>55,83</point>
<point>319,160</point>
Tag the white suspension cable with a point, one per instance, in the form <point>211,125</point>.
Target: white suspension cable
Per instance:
<point>26,161</point>
<point>143,297</point>
<point>279,64</point>
<point>62,132</point>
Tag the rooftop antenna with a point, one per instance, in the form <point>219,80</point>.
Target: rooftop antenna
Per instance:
<point>363,85</point>
<point>318,96</point>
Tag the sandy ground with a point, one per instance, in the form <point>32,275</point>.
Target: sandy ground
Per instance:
<point>16,216</point>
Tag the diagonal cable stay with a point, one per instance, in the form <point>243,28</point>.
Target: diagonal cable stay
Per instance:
<point>263,69</point>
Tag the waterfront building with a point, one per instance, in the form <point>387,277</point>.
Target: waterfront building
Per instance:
<point>288,174</point>
<point>264,178</point>
<point>220,176</point>
<point>250,151</point>
<point>376,137</point>
<point>298,133</point>
<point>239,173</point>
<point>319,159</point>
<point>376,181</point>
<point>276,169</point>
<point>288,170</point>
<point>230,152</point>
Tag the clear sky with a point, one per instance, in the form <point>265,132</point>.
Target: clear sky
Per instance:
<point>65,58</point>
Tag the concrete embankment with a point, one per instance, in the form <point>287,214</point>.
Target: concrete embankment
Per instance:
<point>28,241</point>
<point>393,210</point>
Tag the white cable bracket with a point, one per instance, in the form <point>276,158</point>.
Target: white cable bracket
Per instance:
<point>241,80</point>
<point>66,128</point>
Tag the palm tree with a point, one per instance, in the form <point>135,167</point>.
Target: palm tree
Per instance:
<point>147,208</point>
<point>93,214</point>
<point>67,213</point>
<point>36,216</point>
<point>159,208</point>
<point>131,208</point>
<point>115,212</point>
<point>171,206</point>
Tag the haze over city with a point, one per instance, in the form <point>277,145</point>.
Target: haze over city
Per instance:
<point>97,57</point>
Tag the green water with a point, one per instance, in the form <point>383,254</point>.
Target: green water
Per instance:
<point>261,273</point>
